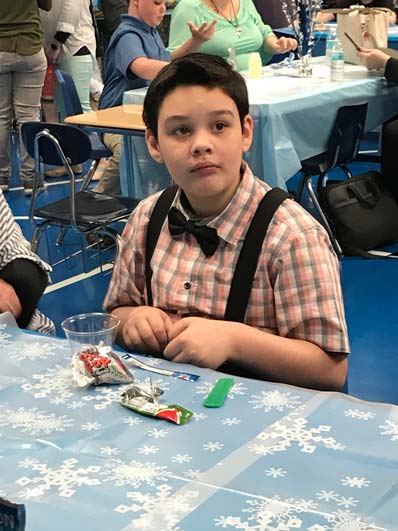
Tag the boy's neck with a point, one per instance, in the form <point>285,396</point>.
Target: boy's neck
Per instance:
<point>133,12</point>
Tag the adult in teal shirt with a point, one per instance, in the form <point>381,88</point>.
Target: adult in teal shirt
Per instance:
<point>239,26</point>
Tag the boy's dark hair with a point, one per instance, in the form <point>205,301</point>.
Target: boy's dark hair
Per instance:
<point>195,69</point>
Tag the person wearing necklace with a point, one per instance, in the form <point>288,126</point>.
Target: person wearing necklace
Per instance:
<point>239,26</point>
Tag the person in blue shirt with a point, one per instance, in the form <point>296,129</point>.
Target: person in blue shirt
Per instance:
<point>135,55</point>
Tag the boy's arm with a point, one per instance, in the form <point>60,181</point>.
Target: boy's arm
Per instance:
<point>146,68</point>
<point>292,361</point>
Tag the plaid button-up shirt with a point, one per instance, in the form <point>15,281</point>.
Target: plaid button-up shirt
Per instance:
<point>296,290</point>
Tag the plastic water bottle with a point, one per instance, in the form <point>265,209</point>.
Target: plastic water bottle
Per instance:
<point>330,40</point>
<point>337,62</point>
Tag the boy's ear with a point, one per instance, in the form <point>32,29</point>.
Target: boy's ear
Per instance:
<point>247,132</point>
<point>153,146</point>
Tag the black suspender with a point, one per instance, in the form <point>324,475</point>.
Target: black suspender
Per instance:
<point>246,266</point>
<point>159,213</point>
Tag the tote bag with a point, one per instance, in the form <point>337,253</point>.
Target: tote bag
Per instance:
<point>368,27</point>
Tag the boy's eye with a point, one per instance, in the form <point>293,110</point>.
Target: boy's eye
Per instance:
<point>181,131</point>
<point>219,126</point>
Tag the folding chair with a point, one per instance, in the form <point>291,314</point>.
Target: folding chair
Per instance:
<point>85,211</point>
<point>72,107</point>
<point>342,148</point>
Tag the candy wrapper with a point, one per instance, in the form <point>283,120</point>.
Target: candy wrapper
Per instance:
<point>139,399</point>
<point>99,365</point>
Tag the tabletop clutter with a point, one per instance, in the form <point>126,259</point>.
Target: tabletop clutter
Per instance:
<point>91,337</point>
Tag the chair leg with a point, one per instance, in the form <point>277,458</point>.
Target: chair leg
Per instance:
<point>89,175</point>
<point>325,222</point>
<point>303,179</point>
<point>60,238</point>
<point>34,244</point>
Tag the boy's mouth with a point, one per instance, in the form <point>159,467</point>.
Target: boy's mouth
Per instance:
<point>202,167</point>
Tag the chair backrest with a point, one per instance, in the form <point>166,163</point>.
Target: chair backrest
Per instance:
<point>71,98</point>
<point>347,132</point>
<point>73,141</point>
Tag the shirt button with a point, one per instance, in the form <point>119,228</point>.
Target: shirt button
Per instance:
<point>187,285</point>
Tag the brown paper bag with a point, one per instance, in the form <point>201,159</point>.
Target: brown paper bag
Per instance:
<point>368,27</point>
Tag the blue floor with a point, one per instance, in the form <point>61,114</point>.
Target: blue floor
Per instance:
<point>370,290</point>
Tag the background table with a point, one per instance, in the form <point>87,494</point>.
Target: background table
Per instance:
<point>273,457</point>
<point>293,118</point>
<point>125,120</point>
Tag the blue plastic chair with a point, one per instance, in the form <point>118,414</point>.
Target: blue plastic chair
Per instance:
<point>85,211</point>
<point>72,107</point>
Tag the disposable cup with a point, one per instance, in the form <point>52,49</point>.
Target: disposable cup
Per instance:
<point>90,330</point>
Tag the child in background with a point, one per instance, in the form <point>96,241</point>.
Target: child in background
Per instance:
<point>135,55</point>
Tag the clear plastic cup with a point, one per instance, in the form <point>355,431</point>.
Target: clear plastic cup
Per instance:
<point>90,330</point>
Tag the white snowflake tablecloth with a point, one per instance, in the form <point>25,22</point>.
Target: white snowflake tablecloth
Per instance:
<point>272,458</point>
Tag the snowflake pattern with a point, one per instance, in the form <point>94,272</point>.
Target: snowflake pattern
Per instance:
<point>358,414</point>
<point>390,428</point>
<point>238,389</point>
<point>231,421</point>
<point>277,514</point>
<point>35,350</point>
<point>5,340</point>
<point>34,421</point>
<point>90,426</point>
<point>355,482</point>
<point>268,400</point>
<point>109,450</point>
<point>339,500</point>
<point>134,473</point>
<point>275,472</point>
<point>55,383</point>
<point>152,508</point>
<point>213,446</point>
<point>148,450</point>
<point>63,480</point>
<point>181,458</point>
<point>157,433</point>
<point>294,430</point>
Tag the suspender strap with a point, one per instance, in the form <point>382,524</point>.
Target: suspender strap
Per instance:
<point>159,213</point>
<point>246,266</point>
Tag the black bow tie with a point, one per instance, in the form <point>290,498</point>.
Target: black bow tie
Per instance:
<point>206,236</point>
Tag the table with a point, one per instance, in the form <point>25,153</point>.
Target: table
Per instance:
<point>273,457</point>
<point>293,118</point>
<point>125,120</point>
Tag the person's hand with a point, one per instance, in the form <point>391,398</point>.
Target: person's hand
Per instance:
<point>284,44</point>
<point>9,301</point>
<point>372,58</point>
<point>147,329</point>
<point>199,341</point>
<point>204,32</point>
<point>52,53</point>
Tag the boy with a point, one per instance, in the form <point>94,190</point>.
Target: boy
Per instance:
<point>294,331</point>
<point>134,56</point>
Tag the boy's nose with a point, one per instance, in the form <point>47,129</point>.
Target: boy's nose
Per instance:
<point>200,145</point>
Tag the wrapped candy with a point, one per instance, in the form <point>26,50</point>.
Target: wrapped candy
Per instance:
<point>139,399</point>
<point>99,365</point>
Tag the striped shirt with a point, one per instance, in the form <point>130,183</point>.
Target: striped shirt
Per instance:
<point>13,245</point>
<point>296,291</point>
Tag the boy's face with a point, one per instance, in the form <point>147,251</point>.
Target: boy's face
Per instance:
<point>149,11</point>
<point>200,139</point>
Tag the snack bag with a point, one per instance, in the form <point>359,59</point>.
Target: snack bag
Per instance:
<point>99,365</point>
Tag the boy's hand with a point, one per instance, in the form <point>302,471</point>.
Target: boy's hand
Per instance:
<point>9,301</point>
<point>199,341</point>
<point>372,58</point>
<point>284,44</point>
<point>147,330</point>
<point>204,32</point>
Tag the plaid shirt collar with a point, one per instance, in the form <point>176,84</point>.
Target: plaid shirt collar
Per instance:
<point>233,221</point>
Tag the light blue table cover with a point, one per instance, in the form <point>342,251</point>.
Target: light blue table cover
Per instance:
<point>272,458</point>
<point>293,119</point>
